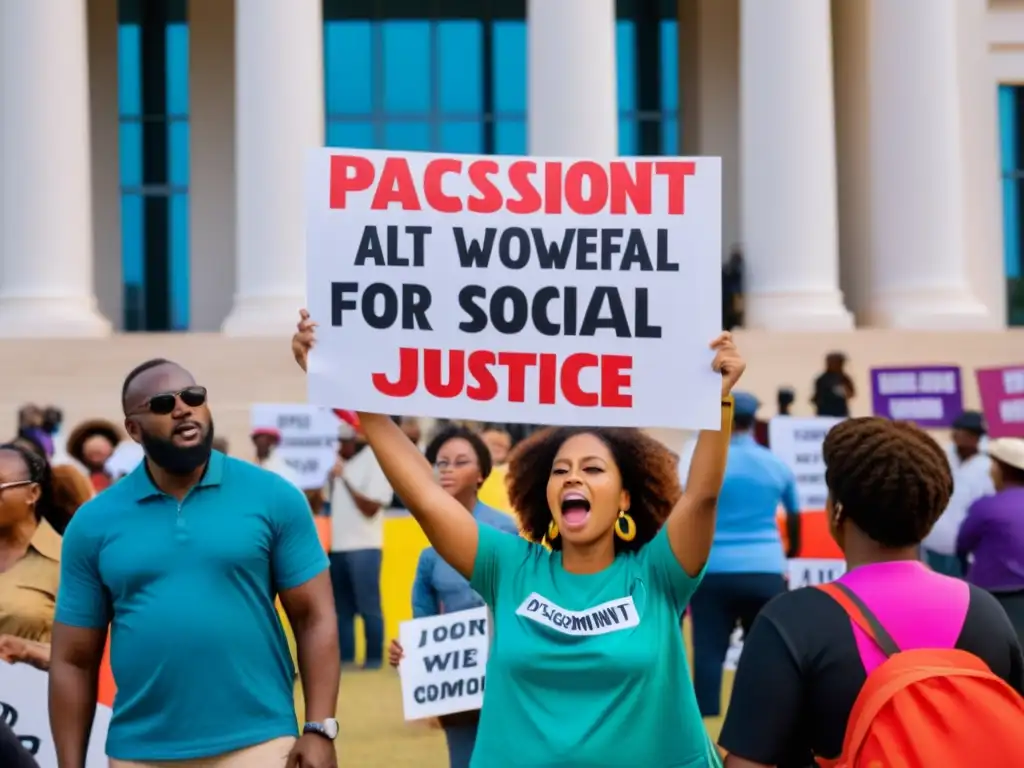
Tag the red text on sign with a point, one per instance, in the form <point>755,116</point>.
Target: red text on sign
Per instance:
<point>550,186</point>
<point>473,373</point>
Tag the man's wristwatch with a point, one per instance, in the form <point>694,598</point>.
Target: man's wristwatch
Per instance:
<point>328,728</point>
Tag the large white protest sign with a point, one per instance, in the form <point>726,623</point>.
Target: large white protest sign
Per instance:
<point>23,707</point>
<point>309,438</point>
<point>515,289</point>
<point>445,660</point>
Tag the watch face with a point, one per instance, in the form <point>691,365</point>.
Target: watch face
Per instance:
<point>331,728</point>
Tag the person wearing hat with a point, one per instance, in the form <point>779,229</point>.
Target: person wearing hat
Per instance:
<point>992,534</point>
<point>265,441</point>
<point>748,562</point>
<point>91,444</point>
<point>971,481</point>
<point>356,495</point>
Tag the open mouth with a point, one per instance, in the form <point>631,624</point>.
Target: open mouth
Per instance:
<point>575,510</point>
<point>187,432</point>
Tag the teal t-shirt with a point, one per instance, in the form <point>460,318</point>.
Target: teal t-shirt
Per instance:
<point>586,670</point>
<point>197,649</point>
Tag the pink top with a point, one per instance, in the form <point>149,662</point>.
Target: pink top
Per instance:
<point>918,607</point>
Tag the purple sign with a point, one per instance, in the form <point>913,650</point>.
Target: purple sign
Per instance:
<point>1002,399</point>
<point>929,396</point>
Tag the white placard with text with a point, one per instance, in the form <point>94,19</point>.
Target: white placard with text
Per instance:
<point>23,707</point>
<point>444,665</point>
<point>309,438</point>
<point>810,572</point>
<point>515,289</point>
<point>797,441</point>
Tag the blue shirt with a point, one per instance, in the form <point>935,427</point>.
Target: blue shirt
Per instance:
<point>439,587</point>
<point>197,649</point>
<point>747,538</point>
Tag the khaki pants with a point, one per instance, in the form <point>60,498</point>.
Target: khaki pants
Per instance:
<point>270,754</point>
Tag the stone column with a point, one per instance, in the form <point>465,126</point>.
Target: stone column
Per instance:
<point>572,100</point>
<point>788,167</point>
<point>279,114</point>
<point>920,278</point>
<point>46,231</point>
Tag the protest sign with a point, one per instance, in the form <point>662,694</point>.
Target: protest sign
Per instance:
<point>23,707</point>
<point>515,289</point>
<point>929,396</point>
<point>797,441</point>
<point>125,458</point>
<point>1002,400</point>
<point>445,659</point>
<point>809,572</point>
<point>309,437</point>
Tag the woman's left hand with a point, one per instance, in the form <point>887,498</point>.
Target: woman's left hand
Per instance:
<point>17,649</point>
<point>728,361</point>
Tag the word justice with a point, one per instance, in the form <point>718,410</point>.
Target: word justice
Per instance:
<point>454,185</point>
<point>472,374</point>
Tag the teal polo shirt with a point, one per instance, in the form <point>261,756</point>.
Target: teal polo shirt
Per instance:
<point>197,649</point>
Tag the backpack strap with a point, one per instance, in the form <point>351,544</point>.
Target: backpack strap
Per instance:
<point>861,615</point>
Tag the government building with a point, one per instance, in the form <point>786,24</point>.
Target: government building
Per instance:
<point>152,157</point>
<point>152,150</point>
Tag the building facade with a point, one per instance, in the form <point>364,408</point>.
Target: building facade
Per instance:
<point>152,149</point>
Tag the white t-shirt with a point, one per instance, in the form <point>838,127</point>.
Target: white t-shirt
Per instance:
<point>971,481</point>
<point>279,467</point>
<point>351,529</point>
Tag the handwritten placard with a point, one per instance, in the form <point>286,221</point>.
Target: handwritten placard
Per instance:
<point>445,659</point>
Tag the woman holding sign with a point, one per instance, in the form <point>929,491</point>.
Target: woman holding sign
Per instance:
<point>587,666</point>
<point>463,463</point>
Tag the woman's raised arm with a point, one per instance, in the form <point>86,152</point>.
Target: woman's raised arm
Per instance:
<point>450,528</point>
<point>691,525</point>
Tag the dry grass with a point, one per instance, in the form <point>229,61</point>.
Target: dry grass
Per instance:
<point>373,732</point>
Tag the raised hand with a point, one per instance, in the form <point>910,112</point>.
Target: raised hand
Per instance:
<point>728,361</point>
<point>304,338</point>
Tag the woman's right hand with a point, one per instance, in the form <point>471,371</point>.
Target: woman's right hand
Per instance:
<point>304,338</point>
<point>395,653</point>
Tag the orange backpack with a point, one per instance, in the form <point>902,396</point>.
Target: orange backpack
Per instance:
<point>927,708</point>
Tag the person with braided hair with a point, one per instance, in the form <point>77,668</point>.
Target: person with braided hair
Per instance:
<point>806,660</point>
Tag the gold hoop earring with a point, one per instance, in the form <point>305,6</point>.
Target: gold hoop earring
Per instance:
<point>552,531</point>
<point>625,528</point>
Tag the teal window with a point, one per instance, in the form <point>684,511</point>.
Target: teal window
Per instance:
<point>153,108</point>
<point>450,75</point>
<point>1011,125</point>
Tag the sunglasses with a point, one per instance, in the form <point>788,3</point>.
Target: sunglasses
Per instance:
<point>164,403</point>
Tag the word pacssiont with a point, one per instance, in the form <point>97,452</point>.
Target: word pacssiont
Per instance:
<point>583,187</point>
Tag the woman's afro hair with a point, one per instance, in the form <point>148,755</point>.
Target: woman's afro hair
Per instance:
<point>649,473</point>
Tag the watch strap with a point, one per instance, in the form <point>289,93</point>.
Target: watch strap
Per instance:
<point>318,729</point>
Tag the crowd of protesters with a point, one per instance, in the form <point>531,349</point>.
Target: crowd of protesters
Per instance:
<point>933,538</point>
